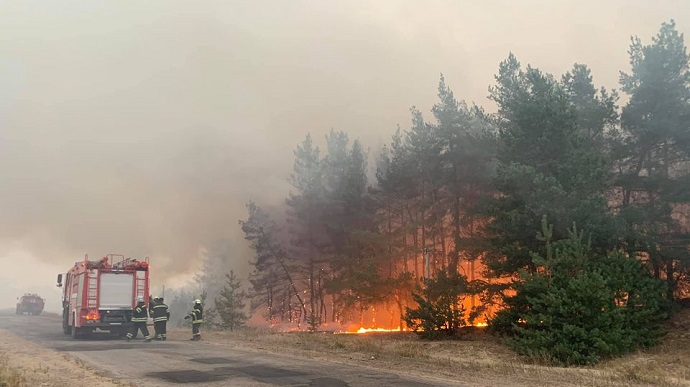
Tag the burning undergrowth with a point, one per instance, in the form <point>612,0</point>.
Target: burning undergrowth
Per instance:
<point>479,358</point>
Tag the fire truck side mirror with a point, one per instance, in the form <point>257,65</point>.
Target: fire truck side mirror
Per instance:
<point>59,281</point>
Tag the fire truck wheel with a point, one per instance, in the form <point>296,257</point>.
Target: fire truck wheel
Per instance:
<point>76,332</point>
<point>65,322</point>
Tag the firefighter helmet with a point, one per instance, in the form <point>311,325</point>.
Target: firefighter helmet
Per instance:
<point>197,301</point>
<point>140,299</point>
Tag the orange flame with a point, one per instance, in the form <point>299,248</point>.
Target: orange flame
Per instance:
<point>363,330</point>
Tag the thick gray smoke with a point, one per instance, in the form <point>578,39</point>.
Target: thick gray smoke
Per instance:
<point>142,128</point>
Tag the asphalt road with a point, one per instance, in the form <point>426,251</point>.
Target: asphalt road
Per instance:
<point>172,362</point>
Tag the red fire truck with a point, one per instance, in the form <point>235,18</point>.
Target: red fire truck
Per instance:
<point>101,294</point>
<point>30,303</point>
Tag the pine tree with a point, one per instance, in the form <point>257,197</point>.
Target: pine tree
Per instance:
<point>357,255</point>
<point>439,312</point>
<point>397,217</point>
<point>230,303</point>
<point>426,184</point>
<point>581,306</point>
<point>272,281</point>
<point>217,259</point>
<point>652,153</point>
<point>550,162</point>
<point>309,239</point>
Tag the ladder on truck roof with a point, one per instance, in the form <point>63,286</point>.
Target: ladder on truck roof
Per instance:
<point>140,278</point>
<point>92,289</point>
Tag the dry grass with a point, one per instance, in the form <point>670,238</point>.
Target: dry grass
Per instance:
<point>10,377</point>
<point>477,360</point>
<point>33,365</point>
<point>667,364</point>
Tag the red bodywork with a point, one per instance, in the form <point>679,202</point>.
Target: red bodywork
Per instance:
<point>84,288</point>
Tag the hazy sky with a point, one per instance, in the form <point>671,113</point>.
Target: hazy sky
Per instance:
<point>142,127</point>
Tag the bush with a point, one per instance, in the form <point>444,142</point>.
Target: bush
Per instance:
<point>440,312</point>
<point>579,306</point>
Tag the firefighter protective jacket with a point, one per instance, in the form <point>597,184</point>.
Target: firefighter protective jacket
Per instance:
<point>197,315</point>
<point>139,313</point>
<point>160,313</point>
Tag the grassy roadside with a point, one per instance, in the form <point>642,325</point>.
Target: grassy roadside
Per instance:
<point>28,364</point>
<point>10,377</point>
<point>478,360</point>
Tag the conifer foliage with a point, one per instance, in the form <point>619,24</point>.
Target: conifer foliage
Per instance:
<point>580,306</point>
<point>230,304</point>
<point>451,227</point>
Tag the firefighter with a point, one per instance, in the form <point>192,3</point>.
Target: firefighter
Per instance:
<point>160,315</point>
<point>152,303</point>
<point>197,317</point>
<point>139,319</point>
